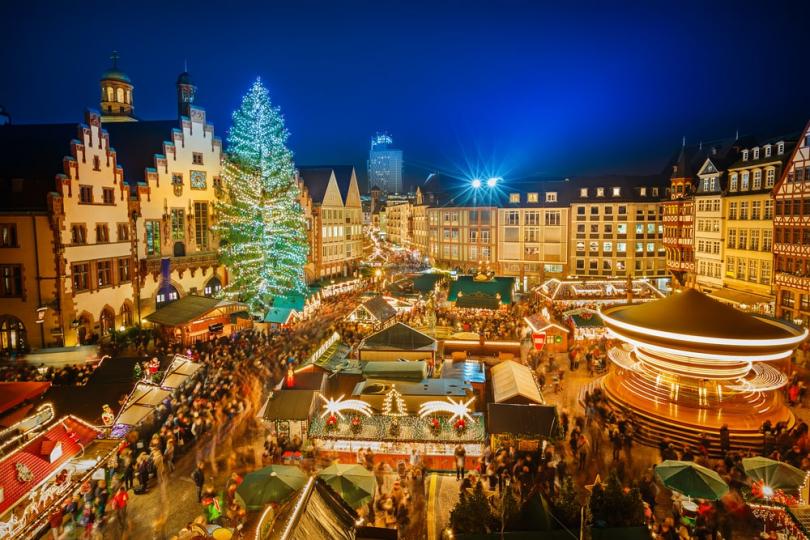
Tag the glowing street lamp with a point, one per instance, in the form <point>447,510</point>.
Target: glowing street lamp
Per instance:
<point>476,183</point>
<point>493,181</point>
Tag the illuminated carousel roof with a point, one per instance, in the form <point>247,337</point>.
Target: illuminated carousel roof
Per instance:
<point>694,314</point>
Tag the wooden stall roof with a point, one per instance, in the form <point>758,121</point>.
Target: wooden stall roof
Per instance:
<point>513,382</point>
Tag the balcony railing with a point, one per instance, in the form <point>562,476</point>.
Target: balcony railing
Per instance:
<point>205,258</point>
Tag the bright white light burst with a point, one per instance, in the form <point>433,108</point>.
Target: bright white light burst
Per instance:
<point>458,409</point>
<point>337,406</point>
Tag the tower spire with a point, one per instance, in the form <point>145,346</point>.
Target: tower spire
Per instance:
<point>114,57</point>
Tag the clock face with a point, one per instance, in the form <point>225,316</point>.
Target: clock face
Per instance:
<point>198,180</point>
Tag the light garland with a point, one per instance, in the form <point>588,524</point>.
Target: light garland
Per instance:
<point>335,407</point>
<point>457,409</point>
<point>393,404</point>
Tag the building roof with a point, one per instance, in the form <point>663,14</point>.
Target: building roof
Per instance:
<point>379,308</point>
<point>425,387</point>
<point>14,393</point>
<point>179,371</point>
<point>467,292</point>
<point>514,383</point>
<point>319,512</point>
<point>33,153</point>
<point>398,337</point>
<point>316,179</point>
<point>414,284</point>
<point>289,405</point>
<point>185,310</point>
<point>279,315</point>
<point>693,313</point>
<point>529,420</point>
<point>413,370</point>
<point>39,457</point>
<point>136,144</point>
<point>143,399</point>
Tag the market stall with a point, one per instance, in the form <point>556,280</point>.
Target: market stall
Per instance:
<point>375,312</point>
<point>396,342</point>
<point>546,334</point>
<point>585,323</point>
<point>140,404</point>
<point>198,318</point>
<point>179,372</point>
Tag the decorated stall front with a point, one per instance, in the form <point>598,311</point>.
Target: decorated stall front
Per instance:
<point>548,335</point>
<point>182,370</point>
<point>138,408</point>
<point>586,323</point>
<point>580,293</point>
<point>287,413</point>
<point>481,291</point>
<point>375,312</point>
<point>198,318</point>
<point>393,430</point>
<point>396,342</point>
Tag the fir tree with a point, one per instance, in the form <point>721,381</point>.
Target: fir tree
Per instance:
<point>566,506</point>
<point>472,513</point>
<point>261,225</point>
<point>614,506</point>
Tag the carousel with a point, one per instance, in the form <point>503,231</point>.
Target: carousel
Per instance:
<point>691,365</point>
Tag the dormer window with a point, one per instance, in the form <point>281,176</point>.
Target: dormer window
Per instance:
<point>532,197</point>
<point>780,148</point>
<point>551,196</point>
<point>617,192</point>
<point>745,155</point>
<point>600,192</point>
<point>733,183</point>
<point>767,149</point>
<point>583,192</point>
<point>655,192</point>
<point>642,191</point>
<point>756,153</point>
<point>514,197</point>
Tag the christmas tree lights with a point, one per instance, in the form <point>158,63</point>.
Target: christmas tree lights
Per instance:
<point>263,238</point>
<point>394,404</point>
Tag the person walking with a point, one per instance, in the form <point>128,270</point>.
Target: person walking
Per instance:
<point>198,476</point>
<point>582,450</point>
<point>119,503</point>
<point>460,455</point>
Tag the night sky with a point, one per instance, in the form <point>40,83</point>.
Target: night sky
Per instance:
<point>465,88</point>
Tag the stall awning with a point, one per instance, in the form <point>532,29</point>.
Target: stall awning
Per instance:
<point>191,308</point>
<point>319,512</point>
<point>179,371</point>
<point>738,298</point>
<point>513,382</point>
<point>289,405</point>
<point>529,420</point>
<point>14,393</point>
<point>378,309</point>
<point>142,401</point>
<point>399,337</point>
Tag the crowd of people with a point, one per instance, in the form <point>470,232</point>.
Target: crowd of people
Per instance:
<point>75,374</point>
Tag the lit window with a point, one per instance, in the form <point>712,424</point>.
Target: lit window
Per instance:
<point>756,153</point>
<point>600,192</point>
<point>642,192</point>
<point>551,196</point>
<point>780,148</point>
<point>514,197</point>
<point>583,192</point>
<point>745,155</point>
<point>768,150</point>
<point>532,197</point>
<point>617,192</point>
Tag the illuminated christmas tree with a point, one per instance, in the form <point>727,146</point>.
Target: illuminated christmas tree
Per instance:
<point>393,404</point>
<point>261,225</point>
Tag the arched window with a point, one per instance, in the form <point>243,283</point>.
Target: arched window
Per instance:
<point>213,286</point>
<point>106,322</point>
<point>12,334</point>
<point>109,93</point>
<point>129,97</point>
<point>166,295</point>
<point>119,95</point>
<point>126,315</point>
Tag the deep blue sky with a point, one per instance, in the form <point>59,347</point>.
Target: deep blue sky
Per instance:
<point>509,88</point>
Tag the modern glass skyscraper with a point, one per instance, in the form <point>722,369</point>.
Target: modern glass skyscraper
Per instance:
<point>384,165</point>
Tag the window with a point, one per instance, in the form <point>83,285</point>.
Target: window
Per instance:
<point>755,153</point>
<point>754,245</point>
<point>788,300</point>
<point>608,229</point>
<point>621,247</point>
<point>514,197</point>
<point>473,235</point>
<point>621,228</point>
<point>583,192</point>
<point>531,234</point>
<point>607,247</point>
<point>770,177</point>
<point>655,192</point>
<point>78,234</point>
<point>617,192</point>
<point>752,270</point>
<point>594,210</point>
<point>8,235</point>
<point>765,272</point>
<point>757,179</point>
<point>104,273</point>
<point>622,210</point>
<point>642,191</point>
<point>11,280</point>
<point>552,218</point>
<point>80,275</point>
<point>123,232</point>
<point>767,240</point>
<point>197,158</point>
<point>86,194</point>
<point>743,242</point>
<point>755,209</point>
<point>513,217</point>
<point>96,163</point>
<point>124,272</point>
<point>152,237</point>
<point>768,214</point>
<point>213,286</point>
<point>600,192</point>
<point>594,248</point>
<point>595,229</point>
<point>767,150</point>
<point>532,217</point>
<point>102,233</point>
<point>532,197</point>
<point>744,181</point>
<point>740,268</point>
<point>109,195</point>
<point>732,210</point>
<point>745,155</point>
<point>733,184</point>
<point>744,210</point>
<point>780,148</point>
<point>177,179</point>
<point>551,197</point>
<point>201,224</point>
<point>580,264</point>
<point>178,224</point>
<point>732,238</point>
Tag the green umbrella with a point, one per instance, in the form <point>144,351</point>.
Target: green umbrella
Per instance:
<point>271,484</point>
<point>691,479</point>
<point>354,483</point>
<point>772,473</point>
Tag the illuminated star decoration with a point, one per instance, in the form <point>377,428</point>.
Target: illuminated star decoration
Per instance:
<point>458,409</point>
<point>596,482</point>
<point>337,406</point>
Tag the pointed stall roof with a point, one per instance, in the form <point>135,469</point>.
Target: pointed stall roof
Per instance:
<point>379,308</point>
<point>399,337</point>
<point>514,383</point>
